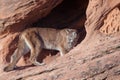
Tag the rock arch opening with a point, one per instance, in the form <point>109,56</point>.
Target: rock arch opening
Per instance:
<point>69,14</point>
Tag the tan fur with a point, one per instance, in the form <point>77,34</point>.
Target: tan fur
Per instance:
<point>34,39</point>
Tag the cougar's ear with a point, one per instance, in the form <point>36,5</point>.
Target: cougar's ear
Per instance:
<point>68,30</point>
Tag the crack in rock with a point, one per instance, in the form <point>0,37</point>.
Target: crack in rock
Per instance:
<point>42,72</point>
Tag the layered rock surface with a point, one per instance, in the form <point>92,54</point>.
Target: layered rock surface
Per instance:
<point>97,57</point>
<point>19,14</point>
<point>15,15</point>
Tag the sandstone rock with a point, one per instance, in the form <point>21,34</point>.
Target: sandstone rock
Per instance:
<point>97,12</point>
<point>97,57</point>
<point>15,15</point>
<point>16,27</point>
<point>18,14</point>
<point>94,21</point>
<point>112,22</point>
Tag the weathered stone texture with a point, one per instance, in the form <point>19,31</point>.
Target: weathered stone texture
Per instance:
<point>97,57</point>
<point>112,22</point>
<point>16,14</point>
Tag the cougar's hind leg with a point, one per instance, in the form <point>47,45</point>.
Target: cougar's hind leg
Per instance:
<point>18,53</point>
<point>34,55</point>
<point>35,49</point>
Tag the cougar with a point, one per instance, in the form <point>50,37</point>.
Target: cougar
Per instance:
<point>34,39</point>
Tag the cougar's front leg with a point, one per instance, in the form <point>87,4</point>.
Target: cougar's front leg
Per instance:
<point>62,51</point>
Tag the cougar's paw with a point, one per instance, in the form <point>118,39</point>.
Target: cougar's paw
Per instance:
<point>39,64</point>
<point>8,68</point>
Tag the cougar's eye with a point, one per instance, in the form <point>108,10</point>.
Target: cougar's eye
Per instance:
<point>74,34</point>
<point>71,40</point>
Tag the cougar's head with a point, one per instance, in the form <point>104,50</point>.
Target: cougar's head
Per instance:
<point>72,38</point>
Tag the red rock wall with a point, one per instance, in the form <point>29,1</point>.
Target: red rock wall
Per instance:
<point>20,13</point>
<point>15,15</point>
<point>112,22</point>
<point>97,57</point>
